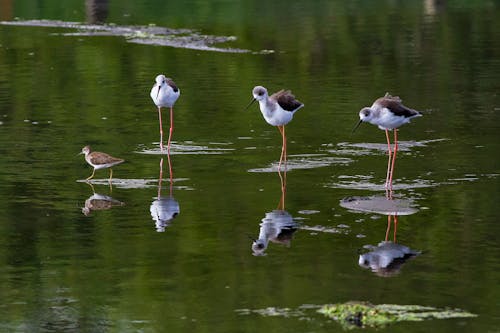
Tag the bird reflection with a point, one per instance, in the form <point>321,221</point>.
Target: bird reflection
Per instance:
<point>164,208</point>
<point>96,11</point>
<point>277,226</point>
<point>99,202</point>
<point>387,258</point>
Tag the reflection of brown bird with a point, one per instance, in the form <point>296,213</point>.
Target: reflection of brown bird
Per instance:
<point>100,161</point>
<point>99,202</point>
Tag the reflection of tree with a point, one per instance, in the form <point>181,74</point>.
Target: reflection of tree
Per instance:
<point>96,11</point>
<point>6,7</point>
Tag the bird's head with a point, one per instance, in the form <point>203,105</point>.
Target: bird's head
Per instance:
<point>85,150</point>
<point>259,93</point>
<point>365,115</point>
<point>160,79</point>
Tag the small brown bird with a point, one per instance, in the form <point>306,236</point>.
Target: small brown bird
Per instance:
<point>100,160</point>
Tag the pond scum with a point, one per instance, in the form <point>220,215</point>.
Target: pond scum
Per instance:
<point>363,314</point>
<point>353,314</point>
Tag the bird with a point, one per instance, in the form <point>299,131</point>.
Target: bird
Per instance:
<point>99,202</point>
<point>387,258</point>
<point>388,113</point>
<point>277,226</point>
<point>100,160</point>
<point>164,94</point>
<point>278,110</point>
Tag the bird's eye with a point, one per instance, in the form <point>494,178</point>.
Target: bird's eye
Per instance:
<point>261,93</point>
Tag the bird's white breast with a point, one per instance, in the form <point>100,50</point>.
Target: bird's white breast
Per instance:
<point>388,120</point>
<point>166,97</point>
<point>274,114</point>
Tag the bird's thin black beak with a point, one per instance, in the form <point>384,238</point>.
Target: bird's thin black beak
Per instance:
<point>357,125</point>
<point>80,153</point>
<point>253,100</point>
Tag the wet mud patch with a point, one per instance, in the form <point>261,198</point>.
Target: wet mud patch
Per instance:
<point>365,182</point>
<point>366,149</point>
<point>149,35</point>
<point>187,148</point>
<point>135,183</point>
<point>305,161</point>
<point>379,205</point>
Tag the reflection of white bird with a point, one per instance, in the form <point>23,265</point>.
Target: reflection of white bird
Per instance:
<point>99,202</point>
<point>277,226</point>
<point>386,258</point>
<point>163,211</point>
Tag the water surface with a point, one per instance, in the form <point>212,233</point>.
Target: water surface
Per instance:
<point>118,269</point>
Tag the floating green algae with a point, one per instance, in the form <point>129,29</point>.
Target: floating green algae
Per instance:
<point>364,314</point>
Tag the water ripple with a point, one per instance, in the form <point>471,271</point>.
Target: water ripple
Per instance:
<point>305,161</point>
<point>187,148</point>
<point>363,149</point>
<point>134,183</point>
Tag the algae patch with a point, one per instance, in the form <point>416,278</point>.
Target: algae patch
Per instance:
<point>355,315</point>
<point>363,314</point>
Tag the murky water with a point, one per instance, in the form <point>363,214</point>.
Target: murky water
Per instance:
<point>226,243</point>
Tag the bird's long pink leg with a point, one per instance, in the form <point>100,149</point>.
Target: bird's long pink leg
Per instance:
<point>160,178</point>
<point>394,155</point>
<point>395,228</point>
<point>395,231</point>
<point>388,227</point>
<point>281,204</point>
<point>387,183</point>
<point>161,129</point>
<point>171,173</point>
<point>284,144</point>
<point>171,128</point>
<point>280,128</point>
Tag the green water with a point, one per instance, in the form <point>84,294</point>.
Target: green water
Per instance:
<point>111,271</point>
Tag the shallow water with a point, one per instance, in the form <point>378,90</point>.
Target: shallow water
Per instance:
<point>103,258</point>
